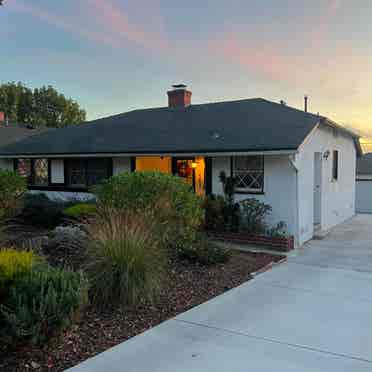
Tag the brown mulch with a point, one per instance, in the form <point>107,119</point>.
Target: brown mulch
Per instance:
<point>188,286</point>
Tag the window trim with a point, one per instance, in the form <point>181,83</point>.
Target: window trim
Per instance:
<point>85,188</point>
<point>335,165</point>
<point>59,186</point>
<point>32,173</point>
<point>251,191</point>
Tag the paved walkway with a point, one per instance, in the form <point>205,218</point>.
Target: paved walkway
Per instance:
<point>313,313</point>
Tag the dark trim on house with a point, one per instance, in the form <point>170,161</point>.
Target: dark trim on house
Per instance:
<point>363,180</point>
<point>49,172</point>
<point>208,175</point>
<point>243,192</point>
<point>250,192</point>
<point>133,164</point>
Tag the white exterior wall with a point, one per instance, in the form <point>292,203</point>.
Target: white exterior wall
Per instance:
<point>279,188</point>
<point>337,197</point>
<point>57,171</point>
<point>6,164</point>
<point>121,165</point>
<point>363,194</point>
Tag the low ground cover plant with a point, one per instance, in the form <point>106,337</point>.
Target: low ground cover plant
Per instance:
<point>38,301</point>
<point>205,252</point>
<point>42,211</point>
<point>14,264</point>
<point>81,210</point>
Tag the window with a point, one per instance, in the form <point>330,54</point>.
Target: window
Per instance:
<point>82,173</point>
<point>249,172</point>
<point>40,171</point>
<point>24,169</point>
<point>335,166</point>
<point>35,170</point>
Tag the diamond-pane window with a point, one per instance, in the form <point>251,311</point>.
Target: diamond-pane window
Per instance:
<point>24,169</point>
<point>40,174</point>
<point>249,173</point>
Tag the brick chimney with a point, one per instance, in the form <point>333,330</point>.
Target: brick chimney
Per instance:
<point>179,96</point>
<point>2,117</point>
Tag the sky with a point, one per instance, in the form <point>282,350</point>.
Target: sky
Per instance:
<point>116,55</point>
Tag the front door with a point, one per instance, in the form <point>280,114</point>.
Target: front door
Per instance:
<point>193,172</point>
<point>317,189</point>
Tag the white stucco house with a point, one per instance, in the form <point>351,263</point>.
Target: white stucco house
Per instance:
<point>303,165</point>
<point>363,192</point>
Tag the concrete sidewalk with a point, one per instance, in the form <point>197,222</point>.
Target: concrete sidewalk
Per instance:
<point>312,314</point>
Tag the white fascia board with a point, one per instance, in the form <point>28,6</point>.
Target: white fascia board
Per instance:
<point>307,138</point>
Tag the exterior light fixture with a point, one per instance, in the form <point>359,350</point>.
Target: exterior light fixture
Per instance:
<point>194,164</point>
<point>326,154</point>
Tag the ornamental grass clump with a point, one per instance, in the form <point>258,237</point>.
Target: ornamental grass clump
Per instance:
<point>127,259</point>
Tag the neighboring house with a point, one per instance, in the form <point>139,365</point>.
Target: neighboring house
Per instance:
<point>303,165</point>
<point>14,132</point>
<point>364,184</point>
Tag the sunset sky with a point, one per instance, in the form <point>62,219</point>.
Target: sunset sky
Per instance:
<point>116,55</point>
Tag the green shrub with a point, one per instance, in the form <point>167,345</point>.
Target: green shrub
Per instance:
<point>205,252</point>
<point>42,211</point>
<point>278,231</point>
<point>253,215</point>
<point>81,210</point>
<point>220,214</point>
<point>177,208</point>
<point>214,213</point>
<point>40,303</point>
<point>126,258</point>
<point>14,264</point>
<point>12,190</point>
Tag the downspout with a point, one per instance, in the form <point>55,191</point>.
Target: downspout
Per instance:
<point>292,161</point>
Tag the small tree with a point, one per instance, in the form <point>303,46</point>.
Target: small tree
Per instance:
<point>12,190</point>
<point>231,209</point>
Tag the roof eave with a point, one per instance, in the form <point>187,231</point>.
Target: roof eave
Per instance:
<point>210,153</point>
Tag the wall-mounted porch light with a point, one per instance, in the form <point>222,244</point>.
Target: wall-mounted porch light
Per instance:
<point>326,154</point>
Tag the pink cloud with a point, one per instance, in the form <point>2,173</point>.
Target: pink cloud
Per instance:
<point>262,59</point>
<point>116,22</point>
<point>321,26</point>
<point>270,59</point>
<point>59,22</point>
<point>115,28</point>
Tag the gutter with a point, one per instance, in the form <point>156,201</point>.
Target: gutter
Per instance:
<point>172,154</point>
<point>292,161</point>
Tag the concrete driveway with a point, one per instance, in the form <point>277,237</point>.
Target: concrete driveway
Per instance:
<point>313,313</point>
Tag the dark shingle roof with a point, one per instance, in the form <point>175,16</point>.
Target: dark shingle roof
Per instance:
<point>364,164</point>
<point>245,125</point>
<point>14,132</point>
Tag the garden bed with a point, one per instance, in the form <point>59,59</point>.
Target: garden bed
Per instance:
<point>281,244</point>
<point>189,285</point>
